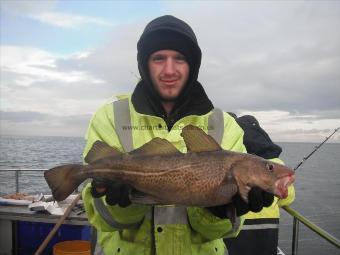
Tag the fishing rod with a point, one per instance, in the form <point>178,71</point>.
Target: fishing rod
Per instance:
<point>315,149</point>
<point>57,225</point>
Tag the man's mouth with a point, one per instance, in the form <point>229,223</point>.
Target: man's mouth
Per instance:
<point>169,82</point>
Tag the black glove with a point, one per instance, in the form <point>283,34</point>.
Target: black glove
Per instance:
<point>116,192</point>
<point>219,211</point>
<point>257,199</point>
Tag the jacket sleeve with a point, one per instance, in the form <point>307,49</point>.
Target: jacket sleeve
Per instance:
<point>129,215</point>
<point>201,219</point>
<point>102,128</point>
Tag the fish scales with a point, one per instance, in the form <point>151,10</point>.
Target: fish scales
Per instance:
<point>205,176</point>
<point>175,178</point>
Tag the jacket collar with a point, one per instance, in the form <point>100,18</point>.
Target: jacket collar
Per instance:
<point>197,103</point>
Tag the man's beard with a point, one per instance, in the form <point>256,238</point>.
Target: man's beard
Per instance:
<point>168,99</point>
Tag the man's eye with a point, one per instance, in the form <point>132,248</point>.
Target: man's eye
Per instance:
<point>157,58</point>
<point>180,58</point>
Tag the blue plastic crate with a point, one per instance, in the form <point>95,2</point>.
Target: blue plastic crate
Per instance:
<point>32,234</point>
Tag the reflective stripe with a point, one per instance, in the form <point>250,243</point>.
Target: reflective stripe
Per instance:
<point>106,215</point>
<point>226,251</point>
<point>235,227</point>
<point>216,130</point>
<point>260,226</point>
<point>122,123</point>
<point>261,221</point>
<point>237,224</point>
<point>123,128</point>
<point>93,240</point>
<point>216,125</point>
<point>279,251</point>
<point>170,215</point>
<point>98,250</point>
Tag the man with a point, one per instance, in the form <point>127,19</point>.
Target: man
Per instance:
<point>167,98</point>
<point>260,230</point>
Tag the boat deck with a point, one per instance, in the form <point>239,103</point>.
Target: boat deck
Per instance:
<point>22,213</point>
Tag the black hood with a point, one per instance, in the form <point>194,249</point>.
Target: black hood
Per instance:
<point>168,32</point>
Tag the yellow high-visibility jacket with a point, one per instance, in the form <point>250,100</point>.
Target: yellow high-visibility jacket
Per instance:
<point>141,229</point>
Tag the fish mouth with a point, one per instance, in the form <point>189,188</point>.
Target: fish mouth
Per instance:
<point>281,186</point>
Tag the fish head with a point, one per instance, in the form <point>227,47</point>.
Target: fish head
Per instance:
<point>285,176</point>
<point>253,171</point>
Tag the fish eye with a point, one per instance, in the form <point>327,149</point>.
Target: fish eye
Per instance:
<point>270,167</point>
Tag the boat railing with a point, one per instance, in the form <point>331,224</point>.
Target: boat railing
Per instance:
<point>17,175</point>
<point>297,218</point>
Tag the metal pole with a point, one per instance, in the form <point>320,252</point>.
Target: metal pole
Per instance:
<point>324,234</point>
<point>17,181</point>
<point>295,240</point>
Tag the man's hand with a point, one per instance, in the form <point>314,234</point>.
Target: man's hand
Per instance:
<point>257,199</point>
<point>116,192</point>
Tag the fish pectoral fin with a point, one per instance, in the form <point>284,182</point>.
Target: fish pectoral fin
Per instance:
<point>139,197</point>
<point>197,140</point>
<point>242,186</point>
<point>100,150</point>
<point>156,146</point>
<point>244,193</point>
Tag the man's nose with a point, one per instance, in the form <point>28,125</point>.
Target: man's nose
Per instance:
<point>169,67</point>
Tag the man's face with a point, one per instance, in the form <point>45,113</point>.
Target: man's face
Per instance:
<point>169,72</point>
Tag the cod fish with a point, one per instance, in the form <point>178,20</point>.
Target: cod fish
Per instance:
<point>204,176</point>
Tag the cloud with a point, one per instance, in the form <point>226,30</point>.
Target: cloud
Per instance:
<point>278,61</point>
<point>24,7</point>
<point>115,61</point>
<point>261,58</point>
<point>32,80</point>
<point>68,20</point>
<point>283,126</point>
<point>21,116</point>
<point>44,12</point>
<point>39,124</point>
<point>35,65</point>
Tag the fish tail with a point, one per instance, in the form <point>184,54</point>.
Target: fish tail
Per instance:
<point>63,180</point>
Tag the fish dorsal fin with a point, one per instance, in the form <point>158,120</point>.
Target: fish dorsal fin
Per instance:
<point>100,150</point>
<point>156,146</point>
<point>197,140</point>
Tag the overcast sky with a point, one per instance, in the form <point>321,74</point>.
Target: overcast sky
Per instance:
<point>280,61</point>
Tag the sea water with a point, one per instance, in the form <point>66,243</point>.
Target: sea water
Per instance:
<point>317,181</point>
